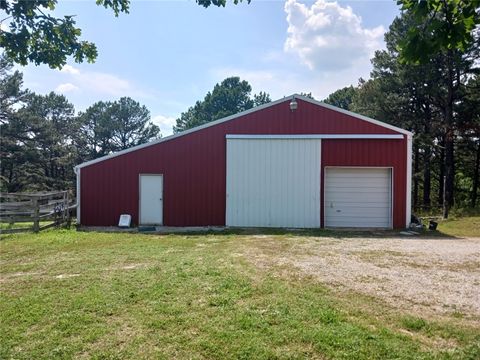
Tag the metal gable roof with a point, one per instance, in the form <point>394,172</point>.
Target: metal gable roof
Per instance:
<point>243,113</point>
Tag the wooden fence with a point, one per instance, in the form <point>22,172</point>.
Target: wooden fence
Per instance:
<point>34,211</point>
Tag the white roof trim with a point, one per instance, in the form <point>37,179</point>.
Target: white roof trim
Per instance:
<point>234,116</point>
<point>316,136</point>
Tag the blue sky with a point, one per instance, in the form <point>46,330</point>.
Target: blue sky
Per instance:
<point>168,54</point>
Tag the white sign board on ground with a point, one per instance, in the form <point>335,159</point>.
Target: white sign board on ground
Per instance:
<point>125,220</point>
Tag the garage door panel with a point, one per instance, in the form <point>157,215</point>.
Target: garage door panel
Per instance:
<point>358,197</point>
<point>363,205</point>
<point>353,171</point>
<point>346,181</point>
<point>349,190</point>
<point>353,212</point>
<point>347,184</point>
<point>346,188</point>
<point>351,174</point>
<point>366,223</point>
<point>359,218</point>
<point>273,182</point>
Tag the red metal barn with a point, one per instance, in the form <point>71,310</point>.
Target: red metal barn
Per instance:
<point>270,166</point>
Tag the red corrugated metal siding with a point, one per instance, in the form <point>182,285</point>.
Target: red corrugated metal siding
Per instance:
<point>381,153</point>
<point>193,166</point>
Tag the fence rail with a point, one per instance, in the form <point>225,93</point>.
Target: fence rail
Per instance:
<point>43,210</point>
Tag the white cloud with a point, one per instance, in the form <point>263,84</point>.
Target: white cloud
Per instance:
<point>4,26</point>
<point>329,37</point>
<point>105,83</point>
<point>67,87</point>
<point>165,123</point>
<point>100,83</point>
<point>69,69</point>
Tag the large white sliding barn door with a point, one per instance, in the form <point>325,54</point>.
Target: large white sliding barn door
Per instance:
<point>273,182</point>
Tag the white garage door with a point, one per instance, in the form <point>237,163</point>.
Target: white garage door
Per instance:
<point>273,182</point>
<point>358,197</point>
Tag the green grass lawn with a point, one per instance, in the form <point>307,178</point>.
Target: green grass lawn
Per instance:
<point>22,225</point>
<point>464,226</point>
<point>67,294</point>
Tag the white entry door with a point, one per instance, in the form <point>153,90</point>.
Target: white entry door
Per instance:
<point>151,199</point>
<point>358,197</point>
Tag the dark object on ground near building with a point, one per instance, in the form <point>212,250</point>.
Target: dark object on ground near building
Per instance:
<point>432,225</point>
<point>415,220</point>
<point>146,228</point>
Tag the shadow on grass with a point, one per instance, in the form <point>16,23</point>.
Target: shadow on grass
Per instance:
<point>286,232</point>
<point>327,233</point>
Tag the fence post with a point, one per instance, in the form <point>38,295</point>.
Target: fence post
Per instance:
<point>36,215</point>
<point>66,210</point>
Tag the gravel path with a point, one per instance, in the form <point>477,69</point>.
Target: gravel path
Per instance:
<point>434,275</point>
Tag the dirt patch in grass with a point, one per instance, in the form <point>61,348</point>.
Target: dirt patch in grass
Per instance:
<point>5,277</point>
<point>127,267</point>
<point>66,276</point>
<point>19,274</point>
<point>432,276</point>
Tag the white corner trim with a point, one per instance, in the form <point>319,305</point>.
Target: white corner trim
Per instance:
<point>77,172</point>
<point>234,116</point>
<point>409,181</point>
<point>315,136</point>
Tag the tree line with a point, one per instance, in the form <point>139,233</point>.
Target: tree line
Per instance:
<point>439,101</point>
<point>42,138</point>
<point>427,81</point>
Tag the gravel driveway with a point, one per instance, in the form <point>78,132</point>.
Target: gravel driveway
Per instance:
<point>432,275</point>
